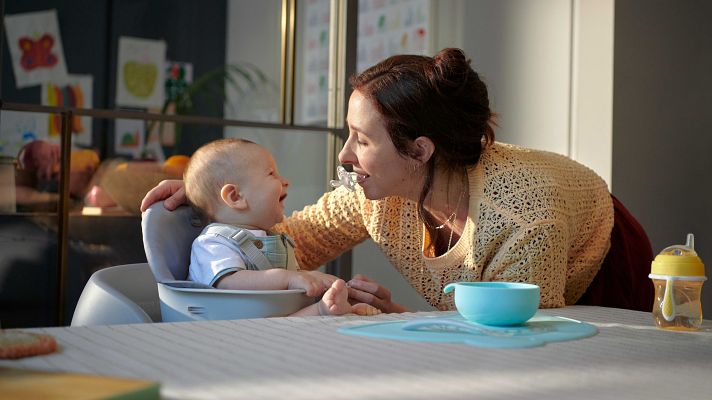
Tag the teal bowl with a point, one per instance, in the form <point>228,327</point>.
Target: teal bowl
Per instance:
<point>495,303</point>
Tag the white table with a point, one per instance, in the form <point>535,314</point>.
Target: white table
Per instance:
<point>306,358</point>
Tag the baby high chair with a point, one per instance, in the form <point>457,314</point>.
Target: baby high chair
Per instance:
<point>167,239</point>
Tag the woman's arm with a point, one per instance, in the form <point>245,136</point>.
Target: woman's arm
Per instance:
<point>324,230</point>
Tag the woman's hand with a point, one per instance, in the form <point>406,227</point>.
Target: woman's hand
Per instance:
<point>365,290</point>
<point>172,192</point>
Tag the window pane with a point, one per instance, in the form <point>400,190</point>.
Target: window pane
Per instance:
<point>312,62</point>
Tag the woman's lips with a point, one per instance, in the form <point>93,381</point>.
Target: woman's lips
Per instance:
<point>360,178</point>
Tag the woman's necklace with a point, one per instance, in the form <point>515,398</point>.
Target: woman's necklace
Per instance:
<point>452,228</point>
<point>449,221</point>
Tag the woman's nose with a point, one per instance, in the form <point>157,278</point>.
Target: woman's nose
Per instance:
<point>346,156</point>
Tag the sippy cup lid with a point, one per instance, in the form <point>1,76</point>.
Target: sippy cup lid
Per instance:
<point>679,260</point>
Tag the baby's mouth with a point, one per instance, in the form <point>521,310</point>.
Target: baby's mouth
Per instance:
<point>282,197</point>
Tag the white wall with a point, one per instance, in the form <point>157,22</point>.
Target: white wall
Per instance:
<point>523,52</point>
<point>591,135</point>
<point>548,65</point>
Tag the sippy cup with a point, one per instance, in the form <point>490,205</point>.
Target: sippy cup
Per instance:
<point>678,274</point>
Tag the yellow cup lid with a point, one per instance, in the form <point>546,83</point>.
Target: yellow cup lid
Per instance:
<point>679,260</point>
<point>673,265</point>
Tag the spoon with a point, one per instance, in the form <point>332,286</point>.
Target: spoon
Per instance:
<point>504,337</point>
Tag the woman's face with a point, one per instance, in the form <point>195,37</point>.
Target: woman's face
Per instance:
<point>381,170</point>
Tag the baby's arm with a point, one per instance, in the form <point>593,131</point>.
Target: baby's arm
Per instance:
<point>314,283</point>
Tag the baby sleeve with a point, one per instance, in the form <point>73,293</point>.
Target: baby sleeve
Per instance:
<point>211,258</point>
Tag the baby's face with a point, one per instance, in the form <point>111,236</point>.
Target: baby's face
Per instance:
<point>264,189</point>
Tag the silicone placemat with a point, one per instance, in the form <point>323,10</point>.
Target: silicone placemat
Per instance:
<point>538,331</point>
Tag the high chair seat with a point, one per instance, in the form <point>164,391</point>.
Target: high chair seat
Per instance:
<point>122,294</point>
<point>167,240</point>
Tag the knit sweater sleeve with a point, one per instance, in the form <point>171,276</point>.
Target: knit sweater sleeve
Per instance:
<point>324,230</point>
<point>535,254</point>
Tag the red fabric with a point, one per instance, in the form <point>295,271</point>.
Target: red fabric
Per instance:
<point>623,279</point>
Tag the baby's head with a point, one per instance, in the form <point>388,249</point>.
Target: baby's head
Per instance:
<point>235,181</point>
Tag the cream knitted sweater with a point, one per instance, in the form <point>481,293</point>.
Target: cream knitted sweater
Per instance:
<point>534,216</point>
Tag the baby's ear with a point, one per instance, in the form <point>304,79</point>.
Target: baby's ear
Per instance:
<point>231,196</point>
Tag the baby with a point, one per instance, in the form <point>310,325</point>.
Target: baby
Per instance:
<point>235,186</point>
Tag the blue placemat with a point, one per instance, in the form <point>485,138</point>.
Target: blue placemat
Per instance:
<point>453,328</point>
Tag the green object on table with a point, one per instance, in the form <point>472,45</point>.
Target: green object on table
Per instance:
<point>29,384</point>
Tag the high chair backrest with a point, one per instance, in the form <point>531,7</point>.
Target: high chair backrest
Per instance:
<point>167,239</point>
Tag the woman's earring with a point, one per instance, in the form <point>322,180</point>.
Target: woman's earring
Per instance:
<point>414,166</point>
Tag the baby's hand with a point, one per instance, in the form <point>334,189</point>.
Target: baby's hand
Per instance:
<point>313,282</point>
<point>326,279</point>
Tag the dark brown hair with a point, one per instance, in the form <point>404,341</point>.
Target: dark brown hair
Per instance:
<point>441,98</point>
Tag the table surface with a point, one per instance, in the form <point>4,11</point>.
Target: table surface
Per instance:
<point>306,358</point>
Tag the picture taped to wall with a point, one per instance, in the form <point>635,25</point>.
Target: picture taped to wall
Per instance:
<point>19,128</point>
<point>140,72</point>
<point>315,75</point>
<point>387,28</point>
<point>75,91</point>
<point>179,76</point>
<point>35,46</point>
<point>128,137</point>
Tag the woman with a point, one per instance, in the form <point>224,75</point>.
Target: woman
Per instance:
<point>442,200</point>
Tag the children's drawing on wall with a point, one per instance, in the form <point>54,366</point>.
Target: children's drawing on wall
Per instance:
<point>35,48</point>
<point>315,63</point>
<point>179,76</point>
<point>387,28</point>
<point>18,128</point>
<point>140,72</point>
<point>75,91</point>
<point>128,137</point>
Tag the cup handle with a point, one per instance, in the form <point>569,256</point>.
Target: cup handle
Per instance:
<point>668,307</point>
<point>449,288</point>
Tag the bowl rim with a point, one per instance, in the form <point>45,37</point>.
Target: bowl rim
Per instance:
<point>499,285</point>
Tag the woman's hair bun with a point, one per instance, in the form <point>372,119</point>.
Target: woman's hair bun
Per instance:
<point>451,63</point>
<point>451,71</point>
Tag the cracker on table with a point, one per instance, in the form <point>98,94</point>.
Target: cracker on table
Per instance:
<point>17,344</point>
